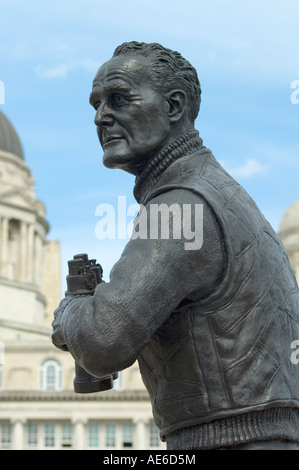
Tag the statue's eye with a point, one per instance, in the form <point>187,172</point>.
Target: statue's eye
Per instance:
<point>96,105</point>
<point>118,100</point>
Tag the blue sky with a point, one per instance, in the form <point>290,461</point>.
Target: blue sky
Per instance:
<point>246,55</point>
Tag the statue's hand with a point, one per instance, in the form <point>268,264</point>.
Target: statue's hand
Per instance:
<point>57,325</point>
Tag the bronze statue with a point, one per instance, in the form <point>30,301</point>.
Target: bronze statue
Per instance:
<point>210,325</point>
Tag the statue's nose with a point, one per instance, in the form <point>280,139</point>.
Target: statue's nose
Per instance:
<point>104,116</point>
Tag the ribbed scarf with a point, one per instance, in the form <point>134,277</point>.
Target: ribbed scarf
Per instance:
<point>184,145</point>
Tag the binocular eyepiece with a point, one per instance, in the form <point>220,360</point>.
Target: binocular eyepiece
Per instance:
<point>84,275</point>
<point>87,383</point>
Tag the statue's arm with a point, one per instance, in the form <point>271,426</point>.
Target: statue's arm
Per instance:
<point>106,331</point>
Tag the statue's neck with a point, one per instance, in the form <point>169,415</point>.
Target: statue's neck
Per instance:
<point>182,146</point>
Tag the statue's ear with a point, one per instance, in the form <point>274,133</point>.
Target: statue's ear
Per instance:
<point>177,104</point>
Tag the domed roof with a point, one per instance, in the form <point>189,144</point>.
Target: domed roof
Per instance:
<point>290,219</point>
<point>9,139</point>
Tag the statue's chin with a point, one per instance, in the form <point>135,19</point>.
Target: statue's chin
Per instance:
<point>115,153</point>
<point>118,156</point>
<point>117,162</point>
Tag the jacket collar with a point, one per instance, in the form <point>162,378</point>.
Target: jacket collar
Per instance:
<point>184,145</point>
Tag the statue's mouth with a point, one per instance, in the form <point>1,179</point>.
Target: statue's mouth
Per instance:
<point>111,139</point>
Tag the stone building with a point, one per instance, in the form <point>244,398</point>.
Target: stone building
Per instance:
<point>38,407</point>
<point>289,235</point>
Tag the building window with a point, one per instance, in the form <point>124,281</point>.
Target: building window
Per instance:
<point>51,375</point>
<point>32,435</point>
<point>127,435</point>
<point>49,435</point>
<point>93,435</point>
<point>67,435</point>
<point>154,438</point>
<point>5,435</point>
<point>110,435</point>
<point>115,435</point>
<point>42,435</point>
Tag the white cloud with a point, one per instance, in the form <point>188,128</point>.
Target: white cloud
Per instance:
<point>235,38</point>
<point>251,167</point>
<point>59,71</point>
<point>62,70</point>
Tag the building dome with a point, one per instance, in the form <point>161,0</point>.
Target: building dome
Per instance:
<point>9,139</point>
<point>290,219</point>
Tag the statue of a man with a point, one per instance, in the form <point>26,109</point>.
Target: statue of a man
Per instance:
<point>211,325</point>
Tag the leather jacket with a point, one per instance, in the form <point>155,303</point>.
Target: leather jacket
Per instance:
<point>211,328</point>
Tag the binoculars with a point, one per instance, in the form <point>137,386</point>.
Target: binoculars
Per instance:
<point>83,277</point>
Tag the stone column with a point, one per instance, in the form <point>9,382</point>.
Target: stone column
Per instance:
<point>140,434</point>
<point>30,255</point>
<point>18,435</point>
<point>4,241</point>
<point>23,251</point>
<point>79,434</point>
<point>1,219</point>
<point>37,259</point>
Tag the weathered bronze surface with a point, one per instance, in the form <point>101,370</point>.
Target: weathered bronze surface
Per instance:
<point>210,319</point>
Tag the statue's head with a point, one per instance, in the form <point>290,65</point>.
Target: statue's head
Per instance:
<point>168,70</point>
<point>145,97</point>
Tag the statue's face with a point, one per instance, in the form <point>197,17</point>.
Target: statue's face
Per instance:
<point>131,116</point>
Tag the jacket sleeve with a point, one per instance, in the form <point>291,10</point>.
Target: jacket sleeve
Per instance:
<point>106,331</point>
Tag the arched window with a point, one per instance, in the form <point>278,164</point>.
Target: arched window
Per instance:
<point>50,375</point>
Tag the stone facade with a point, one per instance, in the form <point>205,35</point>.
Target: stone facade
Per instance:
<point>38,407</point>
<point>289,235</point>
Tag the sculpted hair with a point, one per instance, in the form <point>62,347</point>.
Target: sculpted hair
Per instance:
<point>168,70</point>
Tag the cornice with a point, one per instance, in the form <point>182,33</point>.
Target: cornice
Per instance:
<point>23,286</point>
<point>111,395</point>
<point>12,158</point>
<point>28,328</point>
